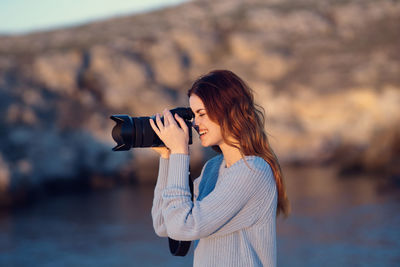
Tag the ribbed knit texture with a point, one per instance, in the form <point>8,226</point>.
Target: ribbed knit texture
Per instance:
<point>233,216</point>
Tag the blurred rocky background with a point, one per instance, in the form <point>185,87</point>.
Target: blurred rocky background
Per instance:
<point>326,72</point>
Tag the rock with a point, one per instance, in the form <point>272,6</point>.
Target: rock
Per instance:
<point>57,71</point>
<point>118,77</point>
<point>325,72</point>
<point>167,63</point>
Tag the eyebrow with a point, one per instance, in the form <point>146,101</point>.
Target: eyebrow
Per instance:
<point>200,109</point>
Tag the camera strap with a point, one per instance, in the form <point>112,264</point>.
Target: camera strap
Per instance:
<point>176,247</point>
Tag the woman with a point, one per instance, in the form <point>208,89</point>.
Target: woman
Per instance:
<point>239,192</point>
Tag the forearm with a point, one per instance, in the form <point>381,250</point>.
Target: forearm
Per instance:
<point>177,192</point>
<point>156,211</point>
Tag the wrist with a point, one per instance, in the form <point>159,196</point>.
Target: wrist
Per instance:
<point>180,151</point>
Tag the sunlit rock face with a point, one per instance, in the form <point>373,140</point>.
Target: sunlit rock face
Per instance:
<point>326,72</point>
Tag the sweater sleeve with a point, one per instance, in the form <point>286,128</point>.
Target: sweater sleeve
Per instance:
<point>220,212</point>
<point>156,210</point>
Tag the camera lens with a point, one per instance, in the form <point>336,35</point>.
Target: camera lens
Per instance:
<point>137,132</point>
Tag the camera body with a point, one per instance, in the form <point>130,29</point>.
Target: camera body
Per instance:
<point>137,132</point>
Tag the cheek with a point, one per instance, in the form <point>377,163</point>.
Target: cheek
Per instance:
<point>216,131</point>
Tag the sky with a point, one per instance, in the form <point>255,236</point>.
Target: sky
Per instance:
<point>23,16</point>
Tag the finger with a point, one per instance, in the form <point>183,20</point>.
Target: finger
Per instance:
<point>153,125</point>
<point>166,121</point>
<point>182,123</point>
<point>159,122</point>
<point>168,116</point>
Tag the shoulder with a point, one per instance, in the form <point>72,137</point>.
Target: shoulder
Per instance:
<point>252,163</point>
<point>254,168</point>
<point>257,163</point>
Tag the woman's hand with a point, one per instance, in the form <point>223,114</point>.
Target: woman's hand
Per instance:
<point>175,138</point>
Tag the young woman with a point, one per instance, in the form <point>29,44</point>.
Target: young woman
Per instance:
<point>239,192</point>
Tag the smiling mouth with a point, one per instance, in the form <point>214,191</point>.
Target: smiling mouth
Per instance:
<point>202,132</point>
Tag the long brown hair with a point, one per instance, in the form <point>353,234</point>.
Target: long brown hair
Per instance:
<point>230,103</point>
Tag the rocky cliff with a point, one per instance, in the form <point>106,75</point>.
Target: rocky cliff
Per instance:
<point>326,72</point>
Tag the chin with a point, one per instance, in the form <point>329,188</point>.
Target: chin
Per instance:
<point>204,144</point>
<point>208,144</point>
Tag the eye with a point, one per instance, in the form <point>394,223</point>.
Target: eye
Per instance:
<point>201,115</point>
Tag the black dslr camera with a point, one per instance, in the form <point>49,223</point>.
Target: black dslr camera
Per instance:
<point>137,132</point>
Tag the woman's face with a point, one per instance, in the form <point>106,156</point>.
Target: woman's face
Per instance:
<point>209,131</point>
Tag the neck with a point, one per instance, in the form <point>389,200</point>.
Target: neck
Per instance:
<point>231,154</point>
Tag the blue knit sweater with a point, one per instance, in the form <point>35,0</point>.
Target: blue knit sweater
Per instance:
<point>232,217</point>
